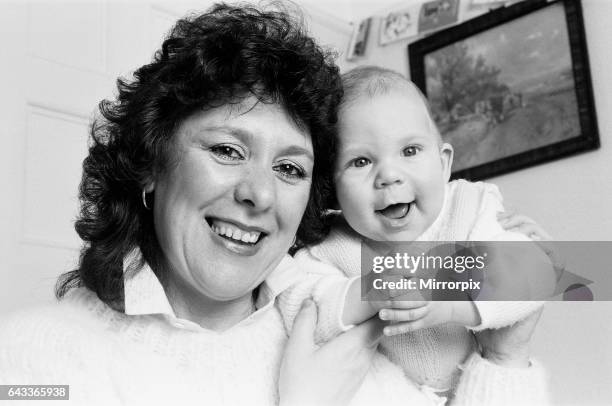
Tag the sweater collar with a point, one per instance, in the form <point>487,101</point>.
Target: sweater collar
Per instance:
<point>144,293</point>
<point>432,233</point>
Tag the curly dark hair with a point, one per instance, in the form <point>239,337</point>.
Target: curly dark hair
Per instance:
<point>207,60</point>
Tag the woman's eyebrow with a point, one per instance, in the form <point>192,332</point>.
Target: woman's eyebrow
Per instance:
<point>246,136</point>
<point>298,150</point>
<point>240,133</point>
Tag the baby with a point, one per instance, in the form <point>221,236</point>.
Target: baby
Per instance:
<point>391,178</point>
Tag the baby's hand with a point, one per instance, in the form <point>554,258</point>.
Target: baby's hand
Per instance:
<point>411,315</point>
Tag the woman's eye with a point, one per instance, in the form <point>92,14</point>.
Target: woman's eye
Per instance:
<point>289,170</point>
<point>227,152</point>
<point>360,162</point>
<point>411,150</point>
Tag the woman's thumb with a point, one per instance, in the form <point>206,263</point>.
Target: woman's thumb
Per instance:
<point>302,334</point>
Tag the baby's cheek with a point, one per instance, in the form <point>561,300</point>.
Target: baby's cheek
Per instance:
<point>366,225</point>
<point>354,212</point>
<point>347,193</point>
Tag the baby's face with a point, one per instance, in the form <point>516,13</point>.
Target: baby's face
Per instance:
<point>391,170</point>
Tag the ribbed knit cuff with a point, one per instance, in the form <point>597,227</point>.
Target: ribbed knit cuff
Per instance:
<point>485,383</point>
<point>329,295</point>
<point>497,314</point>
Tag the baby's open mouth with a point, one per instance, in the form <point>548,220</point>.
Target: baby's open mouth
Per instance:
<point>395,211</point>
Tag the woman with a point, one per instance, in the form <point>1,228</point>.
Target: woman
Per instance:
<point>203,173</point>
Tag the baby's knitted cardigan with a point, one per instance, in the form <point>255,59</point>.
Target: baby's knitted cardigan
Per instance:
<point>149,356</point>
<point>431,356</point>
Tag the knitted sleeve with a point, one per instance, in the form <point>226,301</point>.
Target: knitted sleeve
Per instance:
<point>486,384</point>
<point>496,313</point>
<point>341,249</point>
<point>326,286</point>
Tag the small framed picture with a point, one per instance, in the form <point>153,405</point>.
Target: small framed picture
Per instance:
<point>510,89</point>
<point>359,39</point>
<point>398,25</point>
<point>437,14</point>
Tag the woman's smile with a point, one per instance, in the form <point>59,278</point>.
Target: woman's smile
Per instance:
<point>236,237</point>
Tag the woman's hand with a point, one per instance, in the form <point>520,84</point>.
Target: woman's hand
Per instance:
<point>331,374</point>
<point>509,346</point>
<point>512,221</point>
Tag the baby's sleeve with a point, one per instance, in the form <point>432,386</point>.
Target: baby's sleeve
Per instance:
<point>327,287</point>
<point>496,313</point>
<point>486,227</point>
<point>341,249</point>
<point>313,265</point>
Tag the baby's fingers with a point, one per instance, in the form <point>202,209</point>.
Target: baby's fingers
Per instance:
<point>395,315</point>
<point>407,304</point>
<point>406,327</point>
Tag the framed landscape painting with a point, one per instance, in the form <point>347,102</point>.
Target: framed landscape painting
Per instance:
<point>510,89</point>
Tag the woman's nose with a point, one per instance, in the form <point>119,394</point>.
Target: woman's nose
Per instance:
<point>256,189</point>
<point>388,175</point>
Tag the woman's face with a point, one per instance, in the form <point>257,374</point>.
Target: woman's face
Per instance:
<point>227,210</point>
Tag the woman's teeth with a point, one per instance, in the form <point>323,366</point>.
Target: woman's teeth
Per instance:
<point>235,233</point>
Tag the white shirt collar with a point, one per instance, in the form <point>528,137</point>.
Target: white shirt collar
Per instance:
<point>144,293</point>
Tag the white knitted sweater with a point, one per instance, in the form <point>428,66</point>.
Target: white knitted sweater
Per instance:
<point>431,356</point>
<point>148,356</point>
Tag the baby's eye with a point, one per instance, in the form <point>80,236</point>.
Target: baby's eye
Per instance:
<point>290,170</point>
<point>360,162</point>
<point>227,152</point>
<point>411,150</point>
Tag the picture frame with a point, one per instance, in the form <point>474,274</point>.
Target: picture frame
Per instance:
<point>437,14</point>
<point>398,25</point>
<point>510,89</point>
<point>477,3</point>
<point>359,39</point>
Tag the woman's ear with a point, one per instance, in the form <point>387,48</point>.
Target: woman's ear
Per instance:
<point>446,158</point>
<point>149,186</point>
